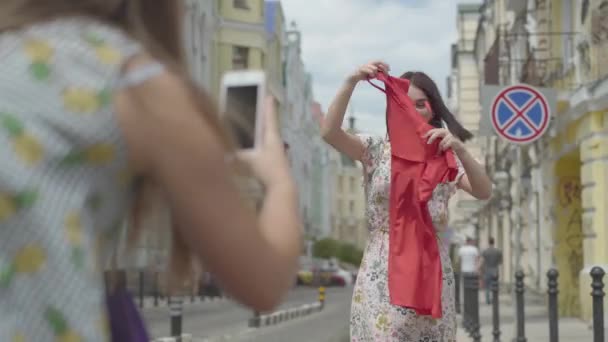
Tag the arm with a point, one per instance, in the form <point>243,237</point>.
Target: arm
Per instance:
<point>475,180</point>
<point>254,258</point>
<point>331,130</point>
<point>480,262</point>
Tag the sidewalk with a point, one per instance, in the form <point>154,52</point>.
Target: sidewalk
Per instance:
<point>536,322</point>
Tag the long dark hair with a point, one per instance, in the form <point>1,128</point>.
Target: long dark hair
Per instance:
<point>440,110</point>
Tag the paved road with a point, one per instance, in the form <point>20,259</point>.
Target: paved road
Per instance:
<point>329,325</point>
<point>219,318</point>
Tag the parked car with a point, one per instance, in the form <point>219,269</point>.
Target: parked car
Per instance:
<point>304,277</point>
<point>341,277</point>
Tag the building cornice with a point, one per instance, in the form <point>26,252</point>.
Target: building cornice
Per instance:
<point>239,25</point>
<point>584,100</point>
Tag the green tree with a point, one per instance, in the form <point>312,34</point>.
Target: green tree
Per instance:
<point>350,254</point>
<point>326,248</point>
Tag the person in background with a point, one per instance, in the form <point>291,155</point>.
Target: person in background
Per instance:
<point>469,257</point>
<point>96,108</point>
<point>491,259</point>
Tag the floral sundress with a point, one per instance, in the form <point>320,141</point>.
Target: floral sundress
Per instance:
<point>373,317</point>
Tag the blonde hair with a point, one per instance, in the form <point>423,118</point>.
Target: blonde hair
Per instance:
<point>157,25</point>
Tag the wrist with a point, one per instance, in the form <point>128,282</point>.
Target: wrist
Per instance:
<point>352,80</point>
<point>280,180</point>
<point>284,185</point>
<point>459,149</point>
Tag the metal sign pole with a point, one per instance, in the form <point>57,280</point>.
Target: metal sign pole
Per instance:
<point>518,225</point>
<point>518,229</point>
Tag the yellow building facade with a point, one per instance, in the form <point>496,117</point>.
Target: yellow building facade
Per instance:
<point>240,41</point>
<point>579,149</point>
<point>464,103</point>
<point>567,217</point>
<point>250,35</point>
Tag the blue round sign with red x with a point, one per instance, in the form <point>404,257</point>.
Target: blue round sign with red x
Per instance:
<point>520,114</point>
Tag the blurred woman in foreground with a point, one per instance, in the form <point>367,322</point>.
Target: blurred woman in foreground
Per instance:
<point>96,107</point>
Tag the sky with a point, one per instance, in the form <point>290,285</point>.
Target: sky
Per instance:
<point>340,35</point>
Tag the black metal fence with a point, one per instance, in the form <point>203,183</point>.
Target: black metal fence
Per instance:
<point>470,312</point>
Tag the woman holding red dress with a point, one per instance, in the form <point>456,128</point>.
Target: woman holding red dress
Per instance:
<point>374,316</point>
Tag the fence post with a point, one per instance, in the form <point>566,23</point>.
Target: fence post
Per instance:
<point>254,322</point>
<point>466,314</point>
<point>495,309</point>
<point>475,324</point>
<point>457,291</point>
<point>519,302</point>
<point>155,288</point>
<point>552,292</point>
<point>176,311</point>
<point>597,292</point>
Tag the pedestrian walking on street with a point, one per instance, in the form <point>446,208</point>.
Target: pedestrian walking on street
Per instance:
<point>374,315</point>
<point>96,112</point>
<point>469,257</point>
<point>491,259</point>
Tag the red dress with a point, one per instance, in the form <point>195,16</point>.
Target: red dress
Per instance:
<point>414,265</point>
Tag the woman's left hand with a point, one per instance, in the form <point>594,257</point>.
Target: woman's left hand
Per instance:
<point>448,141</point>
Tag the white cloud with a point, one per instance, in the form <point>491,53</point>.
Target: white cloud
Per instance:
<point>339,35</point>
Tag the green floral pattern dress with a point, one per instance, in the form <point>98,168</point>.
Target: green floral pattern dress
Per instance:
<point>64,177</point>
<point>373,317</point>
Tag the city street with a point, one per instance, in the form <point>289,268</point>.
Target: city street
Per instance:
<point>329,325</point>
<point>225,319</point>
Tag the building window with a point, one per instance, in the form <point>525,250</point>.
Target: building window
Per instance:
<point>352,184</point>
<point>241,4</point>
<point>240,57</point>
<point>351,207</point>
<point>340,183</point>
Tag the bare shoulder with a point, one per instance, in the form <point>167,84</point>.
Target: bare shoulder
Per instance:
<point>153,111</point>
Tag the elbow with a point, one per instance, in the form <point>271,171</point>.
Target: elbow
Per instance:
<point>260,295</point>
<point>485,194</point>
<point>326,132</point>
<point>269,290</point>
<point>265,302</point>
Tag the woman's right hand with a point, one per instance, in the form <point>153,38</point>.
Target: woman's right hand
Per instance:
<point>369,70</point>
<point>269,161</point>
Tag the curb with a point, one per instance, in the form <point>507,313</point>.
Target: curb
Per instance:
<point>274,318</point>
<point>288,314</point>
<point>149,302</point>
<point>184,338</point>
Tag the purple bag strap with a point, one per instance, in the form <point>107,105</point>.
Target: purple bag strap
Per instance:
<point>126,323</point>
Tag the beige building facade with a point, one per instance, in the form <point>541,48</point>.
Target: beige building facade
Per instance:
<point>463,98</point>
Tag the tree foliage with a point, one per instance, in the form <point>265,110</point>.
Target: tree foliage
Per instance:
<point>331,248</point>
